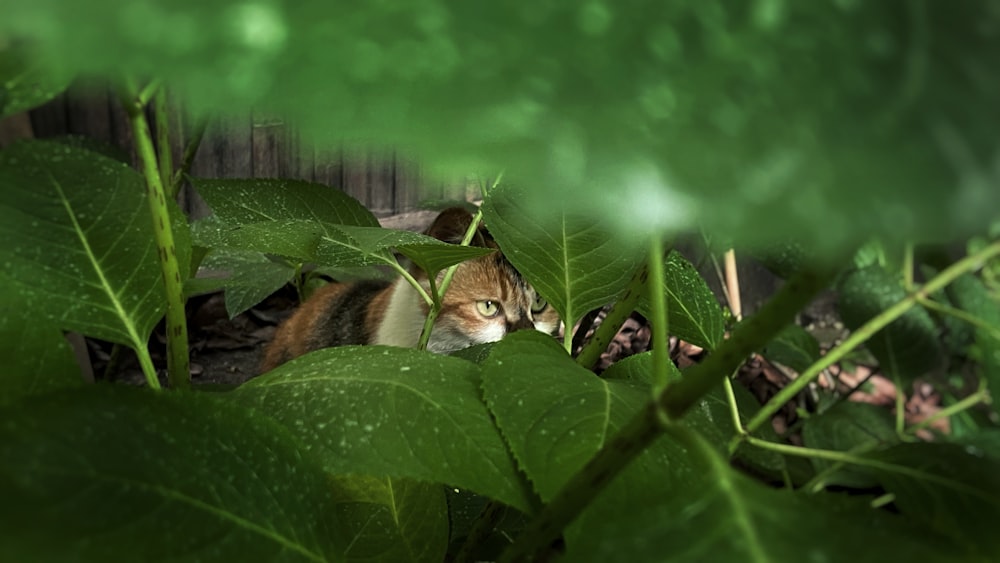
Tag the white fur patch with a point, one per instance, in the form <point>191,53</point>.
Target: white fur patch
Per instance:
<point>403,318</point>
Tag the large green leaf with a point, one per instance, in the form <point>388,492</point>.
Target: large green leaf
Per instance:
<point>124,474</point>
<point>37,357</point>
<point>554,414</point>
<point>692,309</point>
<point>24,82</point>
<point>247,278</point>
<point>573,262</point>
<point>402,520</point>
<point>949,488</point>
<point>78,242</point>
<point>754,118</point>
<point>392,412</point>
<point>718,514</point>
<point>849,426</point>
<point>908,347</point>
<point>243,201</point>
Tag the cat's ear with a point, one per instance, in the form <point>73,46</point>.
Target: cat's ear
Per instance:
<point>451,225</point>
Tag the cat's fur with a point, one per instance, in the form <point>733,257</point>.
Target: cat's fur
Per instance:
<point>393,313</point>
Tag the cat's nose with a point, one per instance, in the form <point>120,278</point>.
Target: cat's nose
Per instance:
<point>522,322</point>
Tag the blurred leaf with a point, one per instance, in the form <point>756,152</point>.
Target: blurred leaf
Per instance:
<point>573,262</point>
<point>971,295</point>
<point>717,514</point>
<point>909,347</point>
<point>242,201</point>
<point>947,488</point>
<point>246,277</point>
<point>25,82</point>
<point>123,474</point>
<point>793,347</point>
<point>79,245</point>
<point>391,412</point>
<point>983,443</point>
<point>693,310</point>
<point>37,358</point>
<point>845,427</point>
<point>401,520</point>
<point>877,117</point>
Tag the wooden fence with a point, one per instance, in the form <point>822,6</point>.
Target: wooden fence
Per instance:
<point>251,146</point>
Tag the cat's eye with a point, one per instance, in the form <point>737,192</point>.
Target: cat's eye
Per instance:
<point>487,308</point>
<point>539,304</point>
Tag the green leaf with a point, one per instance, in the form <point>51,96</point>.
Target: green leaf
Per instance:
<point>849,426</point>
<point>970,294</point>
<point>391,412</point>
<point>25,82</point>
<point>79,245</point>
<point>402,520</point>
<point>37,358</point>
<point>434,257</point>
<point>947,488</point>
<point>242,201</point>
<point>576,264</point>
<point>718,514</point>
<point>692,309</point>
<point>124,474</point>
<point>793,347</point>
<point>870,134</point>
<point>247,278</point>
<point>712,415</point>
<point>554,414</point>
<point>909,347</point>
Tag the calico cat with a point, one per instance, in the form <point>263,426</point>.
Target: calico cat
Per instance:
<point>487,299</point>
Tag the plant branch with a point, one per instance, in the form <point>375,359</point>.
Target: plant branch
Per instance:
<point>614,320</point>
<point>967,264</point>
<point>981,395</point>
<point>161,122</point>
<point>669,404</point>
<point>660,320</point>
<point>178,372</point>
<point>190,150</point>
<point>962,315</point>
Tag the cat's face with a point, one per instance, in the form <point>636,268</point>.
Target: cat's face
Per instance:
<point>488,299</point>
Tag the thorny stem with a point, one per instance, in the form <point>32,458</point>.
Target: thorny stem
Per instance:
<point>967,264</point>
<point>670,404</point>
<point>178,372</point>
<point>614,320</point>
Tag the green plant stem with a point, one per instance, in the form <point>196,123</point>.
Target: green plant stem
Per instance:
<point>908,266</point>
<point>660,321</point>
<point>670,404</point>
<point>734,412</point>
<point>143,97</point>
<point>438,292</point>
<point>161,121</point>
<point>412,281</point>
<point>962,315</point>
<point>748,336</point>
<point>613,321</point>
<point>981,395</point>
<point>178,372</point>
<point>190,150</point>
<point>967,264</point>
